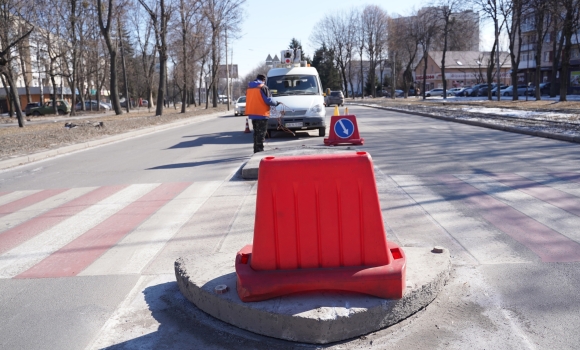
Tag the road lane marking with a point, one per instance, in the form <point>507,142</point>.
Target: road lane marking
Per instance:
<point>548,244</point>
<point>28,214</point>
<point>27,201</point>
<point>135,251</point>
<point>85,249</point>
<point>553,217</point>
<point>29,253</point>
<point>16,195</point>
<point>482,241</point>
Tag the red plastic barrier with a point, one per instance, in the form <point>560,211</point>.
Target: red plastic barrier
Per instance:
<point>319,227</point>
<point>343,130</point>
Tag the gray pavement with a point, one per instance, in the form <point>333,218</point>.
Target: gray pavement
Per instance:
<point>505,291</point>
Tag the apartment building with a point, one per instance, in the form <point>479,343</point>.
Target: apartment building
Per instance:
<point>528,64</point>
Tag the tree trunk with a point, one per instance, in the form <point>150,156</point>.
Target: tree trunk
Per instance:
<point>15,99</point>
<point>24,71</point>
<point>106,32</point>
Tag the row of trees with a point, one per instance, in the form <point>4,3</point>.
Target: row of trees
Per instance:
<point>346,36</point>
<point>125,45</point>
<point>368,33</point>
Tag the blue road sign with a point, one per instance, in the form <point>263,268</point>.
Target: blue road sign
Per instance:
<point>344,128</point>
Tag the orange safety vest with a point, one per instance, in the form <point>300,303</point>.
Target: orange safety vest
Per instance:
<point>255,105</point>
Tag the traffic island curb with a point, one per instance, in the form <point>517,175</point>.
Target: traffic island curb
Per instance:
<point>250,169</point>
<point>313,317</point>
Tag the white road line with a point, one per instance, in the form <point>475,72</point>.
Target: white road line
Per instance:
<point>134,252</point>
<point>36,249</point>
<point>14,196</point>
<point>481,239</point>
<point>555,218</point>
<point>11,220</point>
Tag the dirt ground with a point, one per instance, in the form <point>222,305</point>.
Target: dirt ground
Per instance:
<point>53,132</point>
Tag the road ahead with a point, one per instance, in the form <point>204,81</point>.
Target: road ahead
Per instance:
<point>88,240</point>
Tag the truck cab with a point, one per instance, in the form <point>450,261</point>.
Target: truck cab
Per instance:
<point>300,91</point>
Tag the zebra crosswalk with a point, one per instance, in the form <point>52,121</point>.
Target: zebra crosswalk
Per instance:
<point>106,230</point>
<point>63,233</point>
<point>494,216</point>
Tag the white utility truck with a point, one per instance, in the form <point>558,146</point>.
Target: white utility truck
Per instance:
<point>297,86</point>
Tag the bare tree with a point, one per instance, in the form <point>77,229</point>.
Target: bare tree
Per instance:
<point>427,31</point>
<point>220,13</point>
<point>403,41</point>
<point>106,25</point>
<point>542,21</point>
<point>336,32</point>
<point>159,21</point>
<point>490,9</point>
<point>449,25</point>
<point>374,20</point>
<point>512,11</point>
<point>13,30</point>
<point>571,13</point>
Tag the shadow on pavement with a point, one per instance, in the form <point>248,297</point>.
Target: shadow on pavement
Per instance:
<point>183,326</point>
<point>195,164</point>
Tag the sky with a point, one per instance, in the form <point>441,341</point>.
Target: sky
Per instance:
<point>269,26</point>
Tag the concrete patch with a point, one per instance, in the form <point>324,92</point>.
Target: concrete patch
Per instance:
<point>250,169</point>
<point>318,317</point>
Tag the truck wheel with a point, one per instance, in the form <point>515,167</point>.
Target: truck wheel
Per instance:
<point>36,114</point>
<point>322,132</point>
<point>61,112</point>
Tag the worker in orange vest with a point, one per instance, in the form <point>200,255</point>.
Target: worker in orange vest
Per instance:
<point>258,102</point>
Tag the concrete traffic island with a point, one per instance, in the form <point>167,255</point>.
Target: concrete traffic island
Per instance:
<point>250,169</point>
<point>290,308</point>
<point>314,317</point>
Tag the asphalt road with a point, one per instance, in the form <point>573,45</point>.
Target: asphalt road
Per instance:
<point>88,240</point>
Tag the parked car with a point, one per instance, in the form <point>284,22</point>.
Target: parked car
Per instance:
<point>544,89</point>
<point>399,93</point>
<point>494,90</point>
<point>436,92</point>
<point>334,98</point>
<point>29,106</point>
<point>462,91</point>
<point>482,91</point>
<point>92,106</point>
<point>383,93</point>
<point>520,90</point>
<point>62,108</point>
<point>411,91</point>
<point>454,91</point>
<point>240,106</point>
<point>474,90</point>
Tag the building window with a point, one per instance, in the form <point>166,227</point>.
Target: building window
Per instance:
<point>575,54</point>
<point>547,56</point>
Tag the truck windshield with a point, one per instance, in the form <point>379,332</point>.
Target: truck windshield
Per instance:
<point>285,85</point>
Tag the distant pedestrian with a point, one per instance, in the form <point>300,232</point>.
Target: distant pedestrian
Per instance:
<point>417,92</point>
<point>258,102</point>
<point>165,103</point>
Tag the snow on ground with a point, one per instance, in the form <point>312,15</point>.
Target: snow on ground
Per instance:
<point>569,117</point>
<point>503,98</point>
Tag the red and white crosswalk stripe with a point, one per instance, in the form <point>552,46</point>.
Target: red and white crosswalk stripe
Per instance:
<point>60,233</point>
<point>492,218</point>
